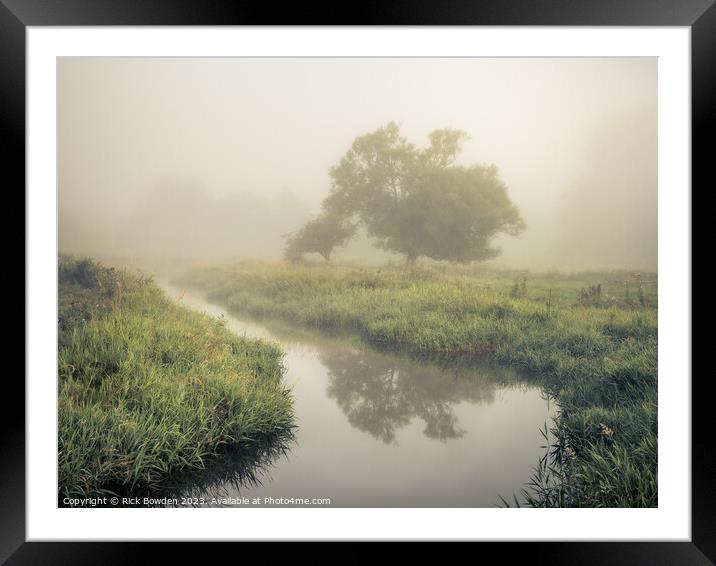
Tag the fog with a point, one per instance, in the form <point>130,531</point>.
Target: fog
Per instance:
<point>220,158</point>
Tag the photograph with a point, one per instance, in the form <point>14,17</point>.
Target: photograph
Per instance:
<point>357,282</point>
<point>413,275</point>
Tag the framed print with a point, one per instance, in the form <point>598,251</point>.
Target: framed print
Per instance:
<point>420,275</point>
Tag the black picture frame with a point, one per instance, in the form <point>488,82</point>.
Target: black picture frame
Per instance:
<point>17,15</point>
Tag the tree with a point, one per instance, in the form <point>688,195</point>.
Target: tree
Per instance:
<point>417,201</point>
<point>320,235</point>
<point>380,394</point>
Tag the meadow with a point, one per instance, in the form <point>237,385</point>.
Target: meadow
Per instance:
<point>588,339</point>
<point>152,395</point>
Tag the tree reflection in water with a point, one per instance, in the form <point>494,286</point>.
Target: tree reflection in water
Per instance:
<point>381,393</point>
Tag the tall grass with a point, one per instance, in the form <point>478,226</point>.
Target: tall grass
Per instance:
<point>150,392</point>
<point>597,358</point>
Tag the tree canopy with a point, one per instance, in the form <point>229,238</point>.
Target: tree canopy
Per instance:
<point>320,235</point>
<point>418,202</point>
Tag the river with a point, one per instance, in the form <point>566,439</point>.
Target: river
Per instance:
<point>381,429</point>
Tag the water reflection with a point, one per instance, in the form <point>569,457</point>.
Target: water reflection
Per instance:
<point>382,393</point>
<point>235,472</point>
<point>381,429</point>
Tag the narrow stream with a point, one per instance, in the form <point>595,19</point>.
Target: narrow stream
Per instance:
<point>379,429</point>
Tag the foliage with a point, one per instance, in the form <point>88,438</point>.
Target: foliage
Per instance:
<point>419,202</point>
<point>150,391</point>
<point>591,295</point>
<point>320,235</point>
<point>599,363</point>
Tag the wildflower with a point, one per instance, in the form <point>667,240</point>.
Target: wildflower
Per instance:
<point>606,431</point>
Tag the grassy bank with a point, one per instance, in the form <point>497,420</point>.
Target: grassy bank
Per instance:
<point>589,339</point>
<point>152,394</point>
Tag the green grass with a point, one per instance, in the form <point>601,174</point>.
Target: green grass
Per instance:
<point>594,352</point>
<point>152,394</point>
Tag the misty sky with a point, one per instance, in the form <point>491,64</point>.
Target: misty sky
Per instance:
<point>267,125</point>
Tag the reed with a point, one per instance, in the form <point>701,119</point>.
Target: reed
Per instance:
<point>596,358</point>
<point>149,391</point>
